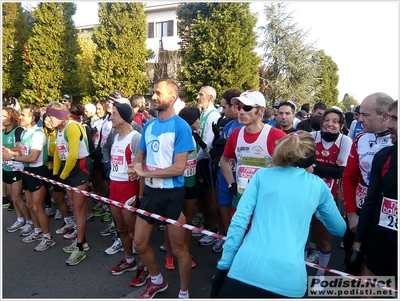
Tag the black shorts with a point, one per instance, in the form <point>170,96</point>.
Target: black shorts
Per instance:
<point>380,251</point>
<point>10,177</point>
<point>80,174</point>
<point>190,193</point>
<point>169,203</point>
<point>57,188</point>
<point>32,183</point>
<point>204,175</point>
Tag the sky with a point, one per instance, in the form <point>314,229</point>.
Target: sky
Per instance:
<point>361,37</point>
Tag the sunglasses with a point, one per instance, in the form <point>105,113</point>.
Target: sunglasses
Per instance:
<point>64,100</point>
<point>245,108</point>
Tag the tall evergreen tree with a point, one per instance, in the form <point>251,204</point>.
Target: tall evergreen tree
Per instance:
<point>15,33</point>
<point>85,63</point>
<point>52,49</point>
<point>290,71</point>
<point>120,58</point>
<point>328,80</point>
<point>218,46</point>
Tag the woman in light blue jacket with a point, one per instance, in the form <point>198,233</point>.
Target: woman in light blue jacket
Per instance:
<point>268,261</point>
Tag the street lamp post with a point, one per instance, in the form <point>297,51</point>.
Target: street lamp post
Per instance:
<point>351,108</point>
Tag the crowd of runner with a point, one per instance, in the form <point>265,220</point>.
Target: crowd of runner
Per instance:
<point>241,170</point>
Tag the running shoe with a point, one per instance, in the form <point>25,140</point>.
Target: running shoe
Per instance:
<point>313,257</point>
<point>218,244</point>
<point>45,244</point>
<point>196,234</point>
<point>193,262</point>
<point>152,289</point>
<point>169,263</point>
<point>206,240</point>
<point>33,237</point>
<point>198,219</point>
<point>99,212</point>
<point>90,217</point>
<point>115,248</point>
<point>58,215</point>
<point>123,267</point>
<point>15,227</point>
<point>107,217</point>
<point>49,211</point>
<point>163,247</point>
<point>73,234</point>
<point>27,229</point>
<point>6,202</point>
<point>65,228</point>
<point>109,230</point>
<point>73,246</point>
<point>76,257</point>
<point>11,207</point>
<point>97,207</point>
<point>140,278</point>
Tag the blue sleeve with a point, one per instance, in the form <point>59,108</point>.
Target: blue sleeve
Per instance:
<point>329,214</point>
<point>239,223</point>
<point>183,137</point>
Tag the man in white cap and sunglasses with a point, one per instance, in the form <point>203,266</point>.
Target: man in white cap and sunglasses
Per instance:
<point>251,146</point>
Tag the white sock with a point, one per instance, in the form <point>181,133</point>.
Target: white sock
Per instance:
<point>20,219</point>
<point>129,259</point>
<point>323,260</point>
<point>183,294</point>
<point>68,220</point>
<point>157,279</point>
<point>38,230</point>
<point>30,222</point>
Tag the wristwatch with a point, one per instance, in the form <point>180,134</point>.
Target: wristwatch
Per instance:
<point>230,185</point>
<point>13,158</point>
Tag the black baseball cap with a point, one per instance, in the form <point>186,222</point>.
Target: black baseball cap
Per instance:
<point>67,97</point>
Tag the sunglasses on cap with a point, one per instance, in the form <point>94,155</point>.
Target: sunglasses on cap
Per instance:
<point>245,108</point>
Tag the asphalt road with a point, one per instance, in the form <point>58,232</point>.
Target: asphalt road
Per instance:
<point>29,274</point>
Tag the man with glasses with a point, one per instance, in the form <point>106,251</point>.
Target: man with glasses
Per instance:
<point>67,100</point>
<point>251,146</point>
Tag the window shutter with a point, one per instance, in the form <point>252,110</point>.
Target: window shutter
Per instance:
<point>170,28</point>
<point>150,30</point>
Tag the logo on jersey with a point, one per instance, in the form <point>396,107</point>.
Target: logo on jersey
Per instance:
<point>325,153</point>
<point>155,146</point>
<point>257,150</point>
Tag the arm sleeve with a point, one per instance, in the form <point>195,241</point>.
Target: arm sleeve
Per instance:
<point>329,214</point>
<point>350,180</point>
<point>18,133</point>
<point>328,172</point>
<point>239,223</point>
<point>107,146</point>
<point>373,197</point>
<point>56,162</point>
<point>73,132</point>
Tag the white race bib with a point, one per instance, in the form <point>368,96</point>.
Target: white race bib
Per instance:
<point>153,182</point>
<point>388,214</point>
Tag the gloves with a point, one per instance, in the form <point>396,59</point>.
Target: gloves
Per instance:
<point>107,169</point>
<point>217,282</point>
<point>352,261</point>
<point>215,129</point>
<point>233,188</point>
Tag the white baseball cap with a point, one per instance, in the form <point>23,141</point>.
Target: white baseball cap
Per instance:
<point>250,98</point>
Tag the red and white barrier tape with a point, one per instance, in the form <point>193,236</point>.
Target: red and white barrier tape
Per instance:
<point>167,220</point>
<point>119,205</point>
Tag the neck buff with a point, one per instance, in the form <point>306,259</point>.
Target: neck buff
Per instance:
<point>59,114</point>
<point>329,137</point>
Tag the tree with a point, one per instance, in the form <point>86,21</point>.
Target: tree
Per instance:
<point>52,50</point>
<point>328,92</point>
<point>85,63</point>
<point>289,68</point>
<point>120,58</point>
<point>218,46</point>
<point>347,102</point>
<point>15,34</point>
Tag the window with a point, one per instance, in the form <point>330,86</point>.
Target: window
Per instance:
<point>150,30</point>
<point>165,29</point>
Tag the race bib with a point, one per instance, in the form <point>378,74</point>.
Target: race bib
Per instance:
<point>361,193</point>
<point>103,140</point>
<point>329,182</point>
<point>190,169</point>
<point>117,163</point>
<point>62,152</point>
<point>153,182</point>
<point>96,138</point>
<point>24,150</point>
<point>233,164</point>
<point>244,174</point>
<point>388,214</point>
